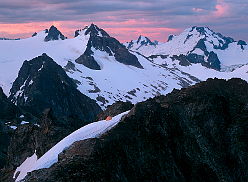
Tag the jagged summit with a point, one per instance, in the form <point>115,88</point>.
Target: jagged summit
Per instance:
<point>54,34</point>
<point>43,81</point>
<point>142,41</point>
<point>93,30</point>
<point>145,41</point>
<point>217,40</point>
<point>196,45</point>
<point>101,41</point>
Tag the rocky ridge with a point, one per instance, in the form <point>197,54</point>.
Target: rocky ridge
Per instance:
<point>192,134</point>
<point>100,40</point>
<point>53,34</point>
<point>41,84</point>
<point>196,44</point>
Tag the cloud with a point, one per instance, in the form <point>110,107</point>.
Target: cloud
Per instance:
<point>163,16</point>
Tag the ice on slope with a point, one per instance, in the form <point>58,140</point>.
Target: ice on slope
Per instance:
<point>187,40</point>
<point>92,130</point>
<point>14,52</point>
<point>116,81</point>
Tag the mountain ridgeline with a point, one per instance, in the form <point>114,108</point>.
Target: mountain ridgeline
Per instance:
<point>193,134</point>
<point>195,45</point>
<point>100,40</point>
<point>180,125</point>
<point>41,84</point>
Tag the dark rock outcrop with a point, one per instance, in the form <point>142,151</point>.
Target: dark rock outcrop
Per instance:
<point>183,60</point>
<point>223,44</point>
<point>22,145</point>
<point>114,109</point>
<point>170,38</point>
<point>213,60</point>
<point>193,134</point>
<point>29,138</point>
<point>195,58</point>
<point>145,42</point>
<point>201,45</point>
<point>100,40</point>
<point>42,83</point>
<point>241,43</point>
<point>34,34</point>
<point>54,34</point>
<point>8,112</point>
<point>7,109</point>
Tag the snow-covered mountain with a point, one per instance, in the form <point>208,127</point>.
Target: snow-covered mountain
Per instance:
<point>141,42</point>
<point>106,71</point>
<point>198,45</point>
<point>68,79</point>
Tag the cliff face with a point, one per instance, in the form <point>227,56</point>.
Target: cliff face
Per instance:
<point>42,83</point>
<point>9,113</point>
<point>193,134</point>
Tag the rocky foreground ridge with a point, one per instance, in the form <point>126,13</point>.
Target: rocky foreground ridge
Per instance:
<point>194,134</point>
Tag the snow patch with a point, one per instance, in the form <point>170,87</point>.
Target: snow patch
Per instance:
<point>13,127</point>
<point>91,130</point>
<point>24,167</point>
<point>24,122</point>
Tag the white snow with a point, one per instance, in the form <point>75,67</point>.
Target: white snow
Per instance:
<point>116,81</point>
<point>14,52</point>
<point>187,40</point>
<point>13,127</point>
<point>24,167</point>
<point>198,51</point>
<point>24,122</point>
<point>92,130</point>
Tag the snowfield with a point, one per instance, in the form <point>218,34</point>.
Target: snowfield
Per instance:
<point>91,130</point>
<point>118,82</point>
<point>187,40</point>
<point>14,52</point>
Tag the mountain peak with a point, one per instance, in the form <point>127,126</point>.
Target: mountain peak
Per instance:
<point>101,41</point>
<point>54,34</point>
<point>93,30</point>
<point>144,40</point>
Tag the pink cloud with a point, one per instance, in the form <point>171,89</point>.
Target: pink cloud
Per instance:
<point>123,31</point>
<point>222,9</point>
<point>197,9</point>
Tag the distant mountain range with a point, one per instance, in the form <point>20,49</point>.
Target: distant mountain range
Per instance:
<point>196,45</point>
<point>107,71</point>
<point>52,86</point>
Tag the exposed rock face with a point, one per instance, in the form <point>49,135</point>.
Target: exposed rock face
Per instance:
<point>170,38</point>
<point>41,84</point>
<point>5,134</point>
<point>241,43</point>
<point>201,45</point>
<point>22,145</point>
<point>193,134</point>
<point>34,34</point>
<point>28,138</point>
<point>54,34</point>
<point>114,109</point>
<point>213,60</point>
<point>100,40</point>
<point>8,111</point>
<point>183,60</point>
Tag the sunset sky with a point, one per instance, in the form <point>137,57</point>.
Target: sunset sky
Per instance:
<point>124,19</point>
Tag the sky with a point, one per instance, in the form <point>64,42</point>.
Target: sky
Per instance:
<point>124,19</point>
